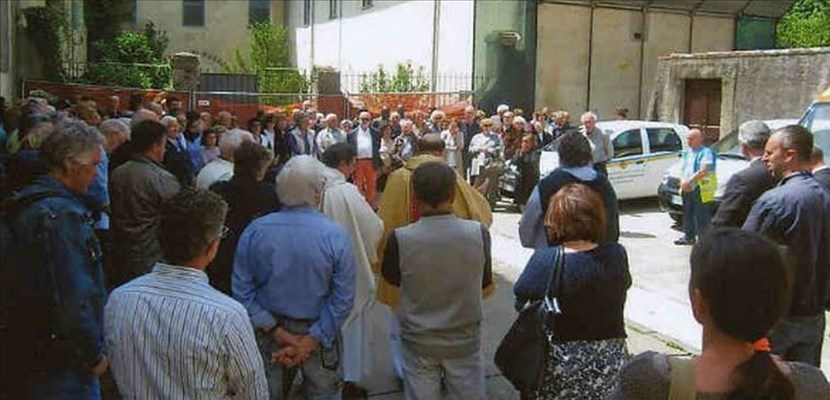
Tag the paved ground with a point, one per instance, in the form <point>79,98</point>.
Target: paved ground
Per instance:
<point>658,314</point>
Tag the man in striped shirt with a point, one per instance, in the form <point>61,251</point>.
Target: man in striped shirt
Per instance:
<point>170,335</point>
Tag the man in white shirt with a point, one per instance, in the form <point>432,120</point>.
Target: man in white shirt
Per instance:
<point>366,142</point>
<point>169,334</point>
<point>221,169</point>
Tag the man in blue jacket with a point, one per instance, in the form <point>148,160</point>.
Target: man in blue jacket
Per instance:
<point>53,279</point>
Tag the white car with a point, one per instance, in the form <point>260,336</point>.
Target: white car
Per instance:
<point>730,160</point>
<point>643,150</point>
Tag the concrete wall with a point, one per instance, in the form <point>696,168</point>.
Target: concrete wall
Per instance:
<point>622,67</point>
<point>225,29</point>
<point>712,34</point>
<point>358,40</point>
<point>562,57</point>
<point>772,84</point>
<point>615,64</point>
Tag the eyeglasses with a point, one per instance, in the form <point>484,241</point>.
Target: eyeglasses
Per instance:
<point>364,119</point>
<point>224,232</point>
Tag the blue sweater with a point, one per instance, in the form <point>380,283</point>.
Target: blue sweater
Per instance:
<point>594,284</point>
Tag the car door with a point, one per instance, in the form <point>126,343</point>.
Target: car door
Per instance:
<point>664,147</point>
<point>627,169</point>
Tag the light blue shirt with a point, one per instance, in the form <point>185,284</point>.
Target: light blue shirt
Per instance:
<point>296,263</point>
<point>98,191</point>
<point>694,159</point>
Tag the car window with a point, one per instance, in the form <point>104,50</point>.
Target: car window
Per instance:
<point>663,139</point>
<point>817,120</point>
<point>628,143</point>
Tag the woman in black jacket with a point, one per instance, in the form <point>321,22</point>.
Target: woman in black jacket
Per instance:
<point>588,339</point>
<point>248,197</point>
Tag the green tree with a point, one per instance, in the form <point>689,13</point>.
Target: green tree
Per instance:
<point>268,57</point>
<point>132,59</point>
<point>807,24</point>
<point>406,79</point>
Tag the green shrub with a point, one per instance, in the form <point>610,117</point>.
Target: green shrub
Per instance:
<point>132,59</point>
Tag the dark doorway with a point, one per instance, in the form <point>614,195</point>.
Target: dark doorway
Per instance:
<point>701,107</point>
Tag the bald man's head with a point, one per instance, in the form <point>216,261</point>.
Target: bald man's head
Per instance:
<point>695,138</point>
<point>431,143</point>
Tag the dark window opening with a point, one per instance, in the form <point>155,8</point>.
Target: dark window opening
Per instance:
<point>193,12</point>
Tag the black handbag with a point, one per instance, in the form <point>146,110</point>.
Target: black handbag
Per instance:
<point>523,352</point>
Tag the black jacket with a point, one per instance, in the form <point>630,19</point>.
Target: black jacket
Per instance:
<point>559,177</point>
<point>247,200</point>
<point>823,177</point>
<point>351,138</point>
<point>178,163</point>
<point>796,215</point>
<point>741,192</point>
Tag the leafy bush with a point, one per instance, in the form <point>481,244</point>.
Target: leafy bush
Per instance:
<point>132,59</point>
<point>406,79</point>
<point>269,58</point>
<point>807,24</point>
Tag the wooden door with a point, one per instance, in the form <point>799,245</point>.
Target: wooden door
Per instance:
<point>701,107</point>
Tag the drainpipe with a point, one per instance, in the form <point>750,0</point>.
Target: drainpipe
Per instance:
<point>590,57</point>
<point>643,36</point>
<point>311,25</point>
<point>436,27</point>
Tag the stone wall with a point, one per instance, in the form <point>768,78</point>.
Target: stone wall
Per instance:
<point>767,84</point>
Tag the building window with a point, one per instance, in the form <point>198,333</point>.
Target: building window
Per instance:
<point>193,12</point>
<point>367,3</point>
<point>77,14</point>
<point>259,11</point>
<point>132,11</point>
<point>333,9</point>
<point>306,12</point>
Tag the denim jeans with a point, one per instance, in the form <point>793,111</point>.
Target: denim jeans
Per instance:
<point>64,384</point>
<point>696,215</point>
<point>799,339</point>
<point>322,372</point>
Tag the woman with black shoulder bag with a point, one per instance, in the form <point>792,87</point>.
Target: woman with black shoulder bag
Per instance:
<point>585,340</point>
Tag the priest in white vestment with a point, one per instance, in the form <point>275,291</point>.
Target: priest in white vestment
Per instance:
<point>343,204</point>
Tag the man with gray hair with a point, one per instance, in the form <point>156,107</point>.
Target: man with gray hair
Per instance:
<point>748,184</point>
<point>53,289</point>
<point>221,169</point>
<point>294,272</point>
<point>600,142</point>
<point>330,134</point>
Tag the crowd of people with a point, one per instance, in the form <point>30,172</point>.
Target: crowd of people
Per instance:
<point>154,252</point>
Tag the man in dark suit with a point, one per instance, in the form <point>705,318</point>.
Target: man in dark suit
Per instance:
<point>821,171</point>
<point>366,142</point>
<point>747,185</point>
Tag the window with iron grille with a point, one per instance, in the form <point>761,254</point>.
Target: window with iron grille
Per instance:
<point>193,12</point>
<point>259,11</point>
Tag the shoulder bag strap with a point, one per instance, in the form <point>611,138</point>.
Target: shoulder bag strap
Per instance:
<point>554,286</point>
<point>682,385</point>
